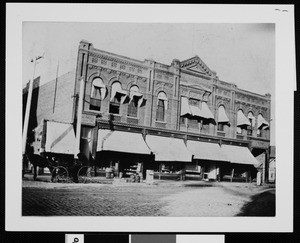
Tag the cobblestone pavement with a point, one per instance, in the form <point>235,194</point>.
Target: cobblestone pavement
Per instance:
<point>135,199</point>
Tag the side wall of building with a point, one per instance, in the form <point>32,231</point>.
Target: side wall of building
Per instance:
<point>57,103</point>
<point>53,100</point>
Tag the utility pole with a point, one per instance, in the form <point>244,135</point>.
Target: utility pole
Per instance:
<point>28,105</point>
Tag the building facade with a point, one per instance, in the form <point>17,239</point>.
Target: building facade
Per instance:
<point>139,115</point>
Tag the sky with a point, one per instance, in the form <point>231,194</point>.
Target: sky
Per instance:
<point>243,54</point>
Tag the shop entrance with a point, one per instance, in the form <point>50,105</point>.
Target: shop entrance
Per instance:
<point>123,164</point>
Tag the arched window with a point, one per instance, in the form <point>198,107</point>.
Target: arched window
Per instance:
<point>262,124</point>
<point>242,121</point>
<point>162,105</point>
<point>117,97</point>
<point>222,118</point>
<point>135,97</point>
<point>250,127</point>
<point>98,93</point>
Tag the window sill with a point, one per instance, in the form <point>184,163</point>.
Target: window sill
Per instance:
<point>114,117</point>
<point>92,112</point>
<point>162,122</point>
<point>133,117</point>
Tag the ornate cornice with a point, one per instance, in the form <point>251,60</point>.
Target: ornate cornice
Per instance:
<point>222,98</point>
<point>196,61</point>
<point>118,60</point>
<point>195,74</point>
<point>112,71</point>
<point>164,72</point>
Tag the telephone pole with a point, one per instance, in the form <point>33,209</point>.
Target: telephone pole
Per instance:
<point>28,105</point>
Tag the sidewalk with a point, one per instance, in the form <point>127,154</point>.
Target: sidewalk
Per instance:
<point>45,181</point>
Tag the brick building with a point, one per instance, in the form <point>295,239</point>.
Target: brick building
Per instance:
<point>147,115</point>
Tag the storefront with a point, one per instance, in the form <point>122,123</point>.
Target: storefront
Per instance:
<point>123,152</point>
<point>209,157</point>
<point>243,163</point>
<point>171,155</point>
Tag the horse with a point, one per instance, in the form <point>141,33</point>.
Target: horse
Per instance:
<point>38,161</point>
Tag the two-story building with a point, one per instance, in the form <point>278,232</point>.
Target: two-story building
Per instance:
<point>149,115</point>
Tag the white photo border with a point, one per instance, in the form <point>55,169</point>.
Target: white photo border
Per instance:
<point>281,15</point>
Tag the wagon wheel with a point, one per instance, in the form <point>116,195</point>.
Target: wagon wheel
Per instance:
<point>85,173</point>
<point>60,174</point>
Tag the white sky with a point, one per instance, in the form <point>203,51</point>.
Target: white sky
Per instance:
<point>239,53</point>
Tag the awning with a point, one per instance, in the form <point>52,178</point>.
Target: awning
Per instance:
<point>162,96</point>
<point>117,89</point>
<point>239,155</point>
<point>168,149</point>
<point>241,119</point>
<point>206,151</point>
<point>261,122</point>
<point>121,142</point>
<point>195,111</point>
<point>222,117</point>
<point>185,107</point>
<point>135,94</point>
<point>98,86</point>
<point>205,111</point>
<point>252,118</point>
<point>60,138</point>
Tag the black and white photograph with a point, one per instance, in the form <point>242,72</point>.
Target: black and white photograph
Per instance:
<point>140,120</point>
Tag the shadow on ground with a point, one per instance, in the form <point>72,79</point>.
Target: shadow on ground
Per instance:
<point>262,204</point>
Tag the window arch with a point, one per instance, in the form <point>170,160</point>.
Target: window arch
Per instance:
<point>135,96</point>
<point>117,97</point>
<point>98,93</point>
<point>250,127</point>
<point>222,118</point>
<point>262,125</point>
<point>162,106</point>
<point>242,121</point>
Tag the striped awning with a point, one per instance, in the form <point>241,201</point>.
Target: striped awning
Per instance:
<point>185,107</point>
<point>117,89</point>
<point>206,151</point>
<point>99,90</point>
<point>222,117</point>
<point>205,111</point>
<point>193,110</point>
<point>242,119</point>
<point>120,141</point>
<point>239,155</point>
<point>162,96</point>
<point>168,149</point>
<point>261,122</point>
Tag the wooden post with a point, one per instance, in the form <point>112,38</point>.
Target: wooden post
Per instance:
<point>159,168</point>
<point>232,174</point>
